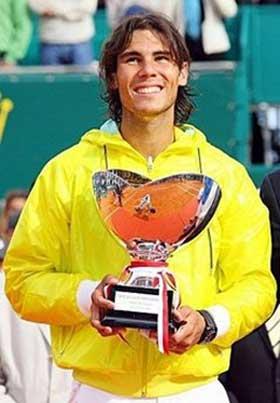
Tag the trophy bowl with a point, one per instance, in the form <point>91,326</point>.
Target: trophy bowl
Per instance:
<point>151,219</point>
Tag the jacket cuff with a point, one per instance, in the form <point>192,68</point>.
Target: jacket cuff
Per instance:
<point>221,317</point>
<point>84,292</point>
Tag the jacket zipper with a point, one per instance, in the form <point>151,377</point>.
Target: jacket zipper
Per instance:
<point>149,161</point>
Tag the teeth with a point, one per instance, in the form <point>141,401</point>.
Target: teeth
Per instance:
<point>148,90</point>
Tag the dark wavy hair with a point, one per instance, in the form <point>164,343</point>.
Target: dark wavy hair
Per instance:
<point>120,40</point>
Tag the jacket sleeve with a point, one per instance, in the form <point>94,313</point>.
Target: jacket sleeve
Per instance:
<point>246,285</point>
<point>40,283</point>
<point>73,11</point>
<point>21,33</point>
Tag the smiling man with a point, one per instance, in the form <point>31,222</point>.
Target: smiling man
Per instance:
<point>148,78</point>
<point>62,256</point>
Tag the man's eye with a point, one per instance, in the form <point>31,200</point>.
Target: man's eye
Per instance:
<point>132,60</point>
<point>163,58</point>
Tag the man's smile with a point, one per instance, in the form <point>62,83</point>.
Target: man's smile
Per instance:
<point>151,89</point>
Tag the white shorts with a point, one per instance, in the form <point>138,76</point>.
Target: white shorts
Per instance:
<point>213,392</point>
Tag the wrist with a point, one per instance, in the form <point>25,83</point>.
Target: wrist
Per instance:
<point>210,330</point>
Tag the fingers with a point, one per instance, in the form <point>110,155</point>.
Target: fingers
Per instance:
<point>189,333</point>
<point>104,331</point>
<point>98,296</point>
<point>100,304</point>
<point>96,315</point>
<point>182,313</point>
<point>99,300</point>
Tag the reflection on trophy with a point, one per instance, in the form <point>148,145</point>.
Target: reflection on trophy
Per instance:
<point>151,219</point>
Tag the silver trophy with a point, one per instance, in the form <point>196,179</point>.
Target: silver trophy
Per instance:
<point>151,219</point>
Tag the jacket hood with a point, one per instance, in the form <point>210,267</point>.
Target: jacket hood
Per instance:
<point>109,134</point>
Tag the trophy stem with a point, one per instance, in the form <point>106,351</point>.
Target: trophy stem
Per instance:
<point>147,263</point>
<point>159,281</point>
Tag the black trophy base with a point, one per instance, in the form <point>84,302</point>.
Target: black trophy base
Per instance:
<point>134,319</point>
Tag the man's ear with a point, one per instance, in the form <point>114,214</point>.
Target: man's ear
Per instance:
<point>184,74</point>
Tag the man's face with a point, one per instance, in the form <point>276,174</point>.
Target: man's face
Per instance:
<point>16,204</point>
<point>12,214</point>
<point>147,77</point>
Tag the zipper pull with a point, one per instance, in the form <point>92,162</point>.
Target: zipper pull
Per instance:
<point>150,163</point>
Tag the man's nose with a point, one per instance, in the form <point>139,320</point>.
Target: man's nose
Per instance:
<point>148,68</point>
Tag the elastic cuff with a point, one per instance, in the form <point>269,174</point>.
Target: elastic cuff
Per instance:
<point>221,317</point>
<point>84,293</point>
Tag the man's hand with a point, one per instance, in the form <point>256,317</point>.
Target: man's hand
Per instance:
<point>49,13</point>
<point>189,333</point>
<point>100,304</point>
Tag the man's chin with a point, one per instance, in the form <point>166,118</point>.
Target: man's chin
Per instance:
<point>150,110</point>
<point>148,113</point>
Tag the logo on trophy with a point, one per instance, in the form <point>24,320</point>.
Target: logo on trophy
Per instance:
<point>151,219</point>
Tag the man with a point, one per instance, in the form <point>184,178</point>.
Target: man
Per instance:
<point>255,363</point>
<point>66,30</point>
<point>62,256</point>
<point>13,204</point>
<point>15,31</point>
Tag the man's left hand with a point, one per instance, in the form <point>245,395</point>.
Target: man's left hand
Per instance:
<point>190,331</point>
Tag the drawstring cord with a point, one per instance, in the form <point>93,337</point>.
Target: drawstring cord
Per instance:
<point>106,157</point>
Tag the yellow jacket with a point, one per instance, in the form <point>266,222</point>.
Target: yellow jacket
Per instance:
<point>61,240</point>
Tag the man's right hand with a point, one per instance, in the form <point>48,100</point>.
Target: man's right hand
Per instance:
<point>100,305</point>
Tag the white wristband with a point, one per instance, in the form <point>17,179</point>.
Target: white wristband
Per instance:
<point>221,317</point>
<point>84,293</point>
